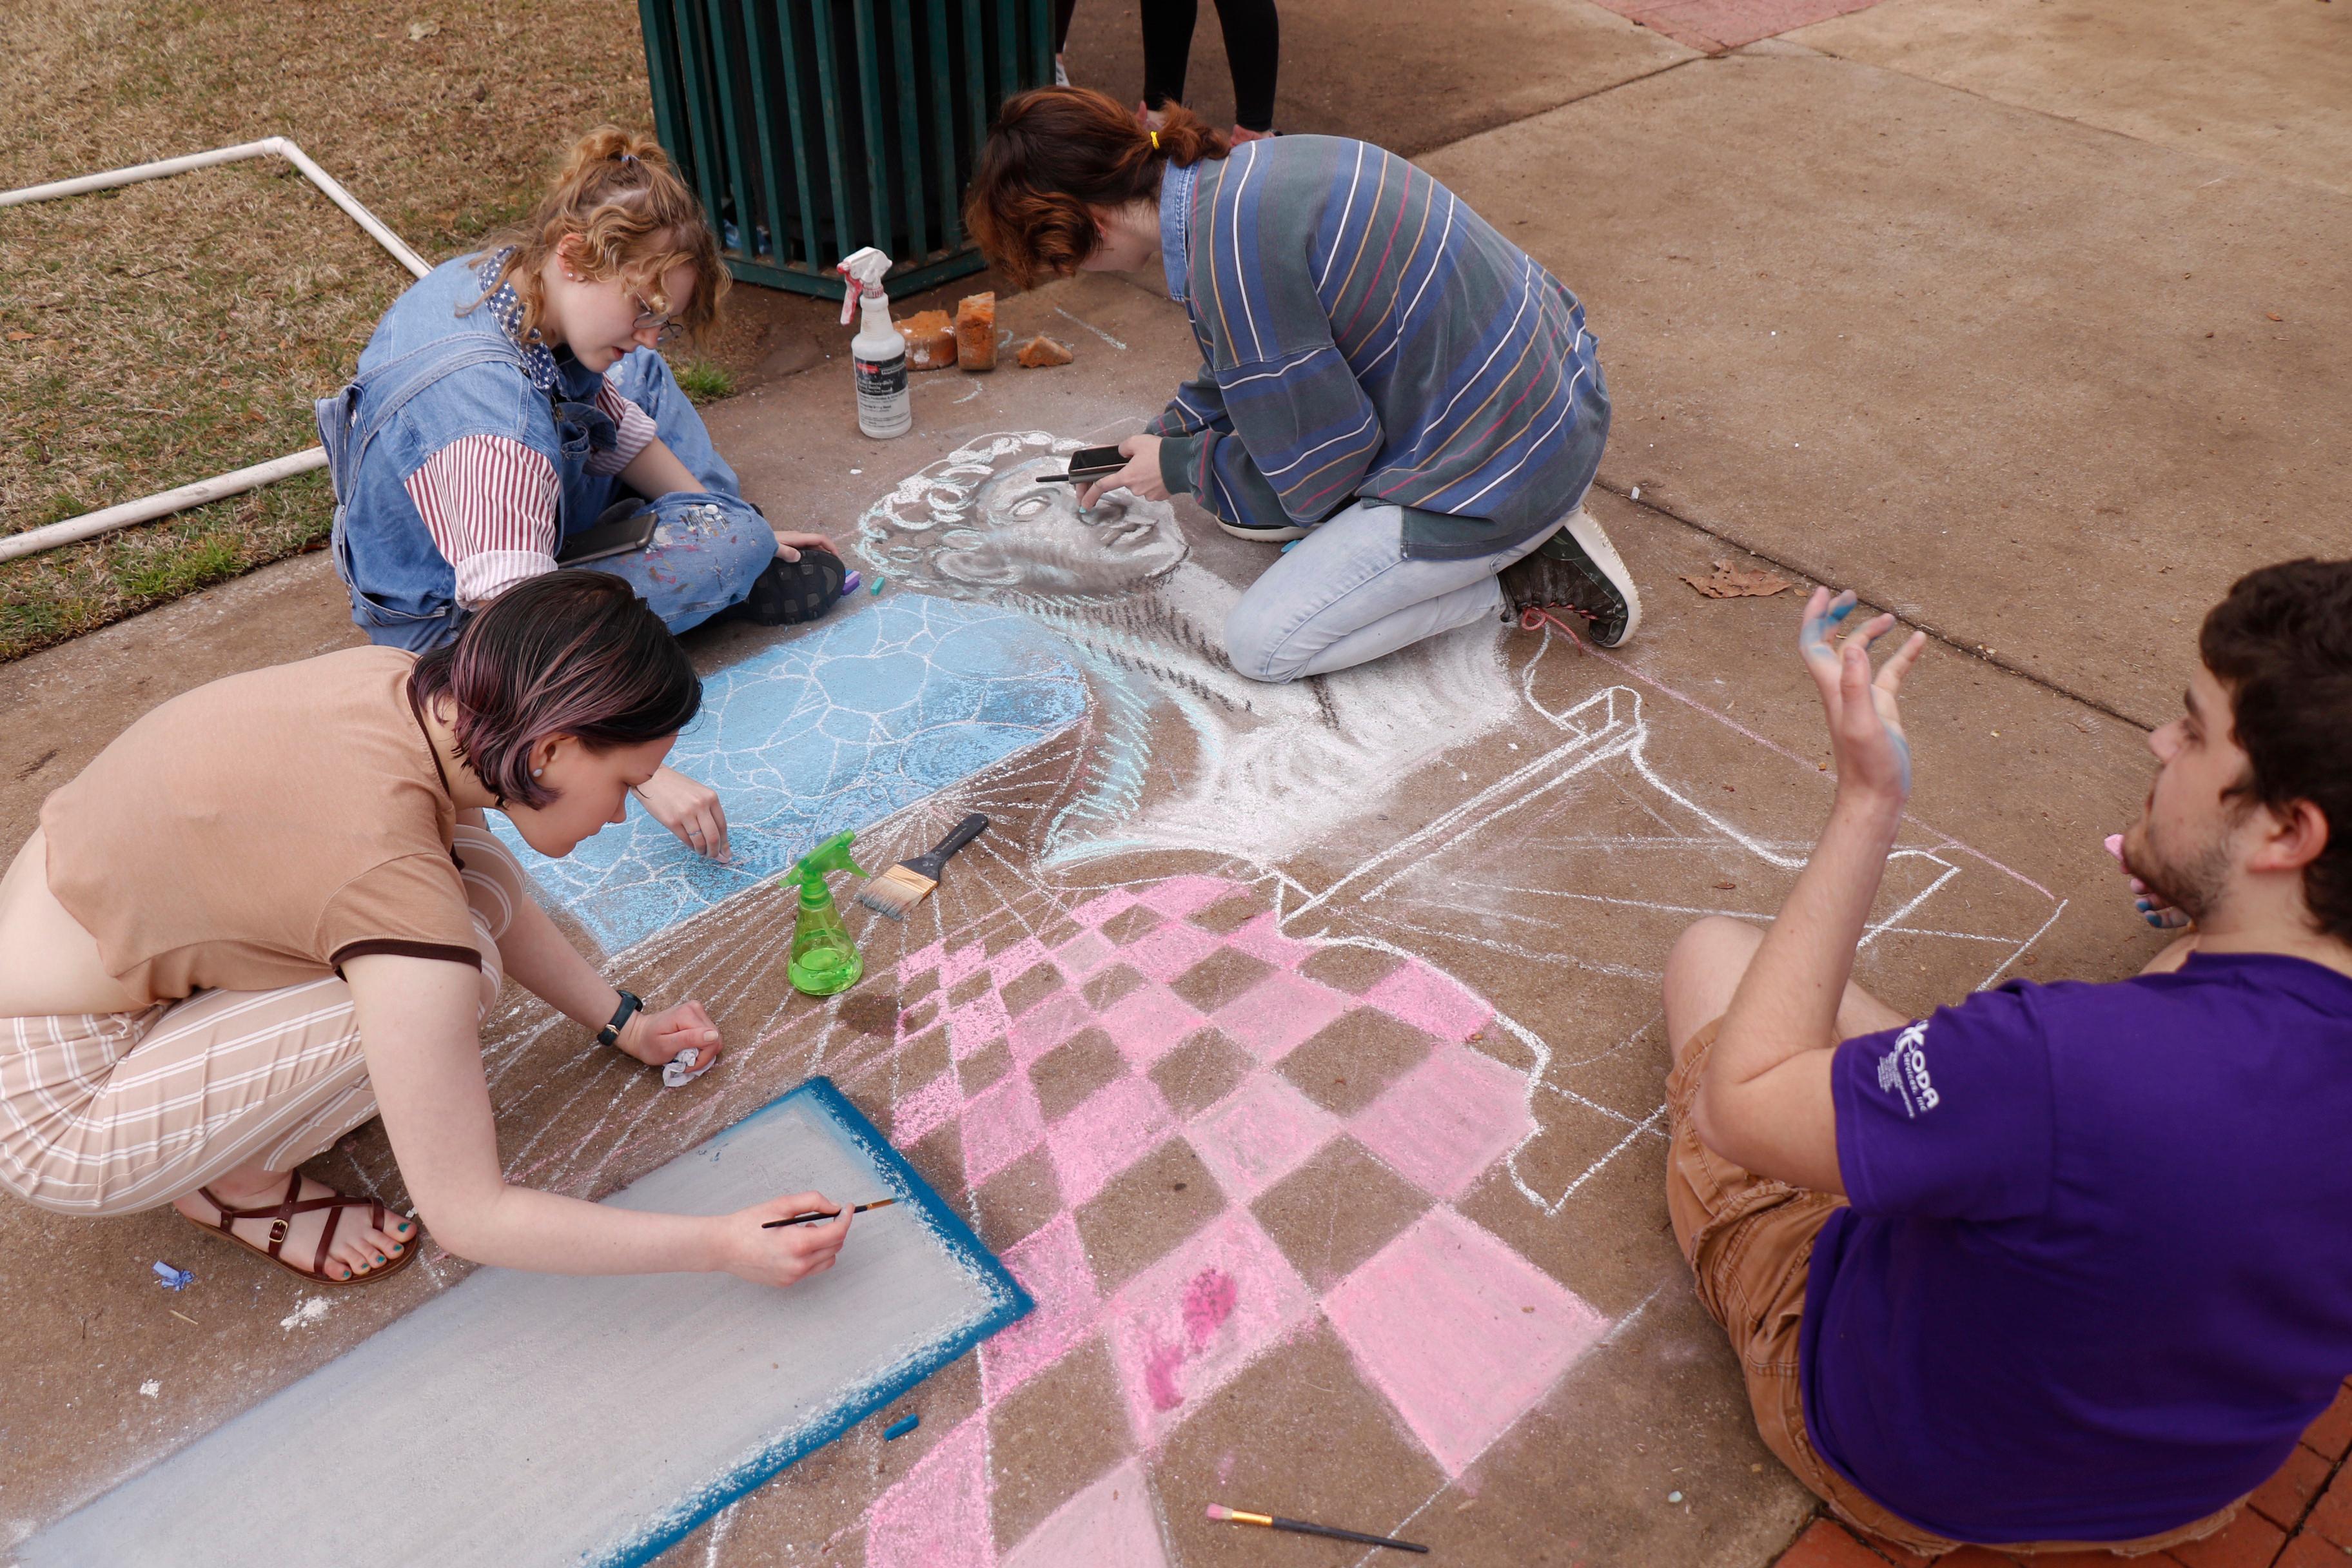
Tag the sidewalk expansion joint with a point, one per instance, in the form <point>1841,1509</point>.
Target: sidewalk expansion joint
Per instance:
<point>1952,640</point>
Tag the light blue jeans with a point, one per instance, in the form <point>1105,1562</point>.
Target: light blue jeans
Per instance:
<point>1346,594</point>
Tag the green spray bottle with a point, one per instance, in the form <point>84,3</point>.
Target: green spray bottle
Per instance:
<point>824,960</point>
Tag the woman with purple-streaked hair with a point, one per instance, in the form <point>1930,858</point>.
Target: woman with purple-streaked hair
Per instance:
<point>204,985</point>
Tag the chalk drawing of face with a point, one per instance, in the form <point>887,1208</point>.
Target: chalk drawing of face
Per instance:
<point>1121,586</point>
<point>1028,534</point>
<point>984,522</point>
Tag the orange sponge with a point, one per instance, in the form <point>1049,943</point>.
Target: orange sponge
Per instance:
<point>975,332</point>
<point>1041,352</point>
<point>930,341</point>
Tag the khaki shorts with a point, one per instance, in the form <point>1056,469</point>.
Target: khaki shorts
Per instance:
<point>109,1113</point>
<point>1749,1242</point>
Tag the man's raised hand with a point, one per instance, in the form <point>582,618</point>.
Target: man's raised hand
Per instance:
<point>1874,761</point>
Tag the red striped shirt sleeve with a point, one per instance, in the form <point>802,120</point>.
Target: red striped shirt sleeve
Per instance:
<point>489,503</point>
<point>636,431</point>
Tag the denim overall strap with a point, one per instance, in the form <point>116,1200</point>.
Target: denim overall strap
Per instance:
<point>347,448</point>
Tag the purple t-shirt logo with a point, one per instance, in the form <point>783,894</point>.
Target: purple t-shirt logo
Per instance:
<point>1904,1072</point>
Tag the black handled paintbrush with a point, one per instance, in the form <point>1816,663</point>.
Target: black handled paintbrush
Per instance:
<point>909,883</point>
<point>825,1214</point>
<point>1300,1527</point>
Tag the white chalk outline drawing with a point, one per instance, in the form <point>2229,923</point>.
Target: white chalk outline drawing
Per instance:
<point>1608,725</point>
<point>1412,707</point>
<point>1133,666</point>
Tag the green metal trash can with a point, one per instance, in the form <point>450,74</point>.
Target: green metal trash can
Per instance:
<point>814,127</point>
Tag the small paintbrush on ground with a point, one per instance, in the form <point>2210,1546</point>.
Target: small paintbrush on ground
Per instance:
<point>909,883</point>
<point>1299,1526</point>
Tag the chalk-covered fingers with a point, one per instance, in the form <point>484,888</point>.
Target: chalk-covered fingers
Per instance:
<point>1823,613</point>
<point>688,808</point>
<point>2152,906</point>
<point>1865,723</point>
<point>786,1254</point>
<point>1873,754</point>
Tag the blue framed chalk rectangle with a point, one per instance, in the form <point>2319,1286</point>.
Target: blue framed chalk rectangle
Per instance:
<point>563,1419</point>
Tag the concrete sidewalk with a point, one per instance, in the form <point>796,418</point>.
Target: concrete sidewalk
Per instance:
<point>1945,301</point>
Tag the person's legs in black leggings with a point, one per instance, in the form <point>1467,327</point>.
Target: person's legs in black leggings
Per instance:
<point>1254,50</point>
<point>1063,10</point>
<point>1167,49</point>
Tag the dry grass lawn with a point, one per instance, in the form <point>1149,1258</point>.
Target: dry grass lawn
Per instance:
<point>174,329</point>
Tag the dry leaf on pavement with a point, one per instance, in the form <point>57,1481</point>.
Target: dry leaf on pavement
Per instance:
<point>1730,584</point>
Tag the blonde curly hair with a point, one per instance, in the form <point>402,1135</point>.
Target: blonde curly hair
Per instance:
<point>636,220</point>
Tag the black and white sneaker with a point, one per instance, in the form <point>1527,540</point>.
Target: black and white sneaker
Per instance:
<point>1576,568</point>
<point>1281,533</point>
<point>787,593</point>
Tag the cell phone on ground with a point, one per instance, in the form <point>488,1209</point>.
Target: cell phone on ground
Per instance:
<point>616,538</point>
<point>1090,463</point>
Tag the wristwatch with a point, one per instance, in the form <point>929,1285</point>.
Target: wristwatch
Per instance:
<point>610,1035</point>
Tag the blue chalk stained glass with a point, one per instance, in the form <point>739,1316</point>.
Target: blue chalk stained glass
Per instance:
<point>835,729</point>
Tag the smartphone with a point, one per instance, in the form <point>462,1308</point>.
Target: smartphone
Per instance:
<point>1088,464</point>
<point>615,538</point>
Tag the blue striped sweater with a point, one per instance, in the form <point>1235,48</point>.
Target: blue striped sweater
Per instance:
<point>1364,334</point>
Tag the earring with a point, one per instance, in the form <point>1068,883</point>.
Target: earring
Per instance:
<point>535,773</point>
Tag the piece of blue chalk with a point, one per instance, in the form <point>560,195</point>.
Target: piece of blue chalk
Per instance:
<point>171,1279</point>
<point>901,1426</point>
<point>876,586</point>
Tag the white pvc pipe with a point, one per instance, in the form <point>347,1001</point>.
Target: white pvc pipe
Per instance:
<point>139,171</point>
<point>343,198</point>
<point>90,524</point>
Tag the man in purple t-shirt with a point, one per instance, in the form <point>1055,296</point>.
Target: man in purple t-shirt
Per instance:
<point>2062,1265</point>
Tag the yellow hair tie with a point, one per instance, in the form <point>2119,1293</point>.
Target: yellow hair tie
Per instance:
<point>1155,140</point>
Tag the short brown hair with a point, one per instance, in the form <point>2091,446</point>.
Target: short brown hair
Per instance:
<point>565,653</point>
<point>636,220</point>
<point>1056,151</point>
<point>2282,644</point>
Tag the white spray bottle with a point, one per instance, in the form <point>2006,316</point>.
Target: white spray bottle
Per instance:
<point>877,354</point>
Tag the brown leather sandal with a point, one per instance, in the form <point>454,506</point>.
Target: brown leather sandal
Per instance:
<point>280,1226</point>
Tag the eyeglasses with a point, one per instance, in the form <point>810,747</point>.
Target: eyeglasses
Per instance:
<point>663,327</point>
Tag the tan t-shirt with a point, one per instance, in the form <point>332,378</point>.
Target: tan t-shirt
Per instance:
<point>256,831</point>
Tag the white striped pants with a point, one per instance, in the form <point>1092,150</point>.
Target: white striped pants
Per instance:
<point>109,1113</point>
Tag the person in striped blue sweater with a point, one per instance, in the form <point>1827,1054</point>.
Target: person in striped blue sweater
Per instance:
<point>1385,378</point>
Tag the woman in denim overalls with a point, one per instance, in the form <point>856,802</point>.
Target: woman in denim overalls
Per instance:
<point>514,398</point>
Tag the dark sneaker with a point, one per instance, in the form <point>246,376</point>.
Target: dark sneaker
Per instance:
<point>1282,534</point>
<point>1576,568</point>
<point>786,592</point>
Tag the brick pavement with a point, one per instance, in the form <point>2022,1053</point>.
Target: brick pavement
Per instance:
<point>2301,1518</point>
